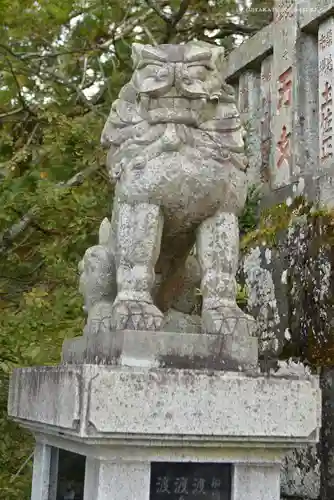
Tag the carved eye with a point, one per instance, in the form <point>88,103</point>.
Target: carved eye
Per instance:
<point>148,65</point>
<point>198,72</point>
<point>142,64</point>
<point>161,73</point>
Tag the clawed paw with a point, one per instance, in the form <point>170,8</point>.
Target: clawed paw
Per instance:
<point>133,315</point>
<point>226,320</point>
<point>99,319</point>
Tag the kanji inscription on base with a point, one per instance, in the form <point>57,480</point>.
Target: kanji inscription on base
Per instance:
<point>190,481</point>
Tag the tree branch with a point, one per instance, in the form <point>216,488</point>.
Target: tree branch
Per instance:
<point>8,237</point>
<point>129,25</point>
<point>180,13</point>
<point>18,86</point>
<point>38,56</point>
<point>229,27</point>
<point>11,113</point>
<point>175,19</point>
<point>37,226</point>
<point>167,19</point>
<point>126,30</point>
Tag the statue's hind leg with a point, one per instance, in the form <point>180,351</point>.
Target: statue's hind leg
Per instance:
<point>138,236</point>
<point>218,251</point>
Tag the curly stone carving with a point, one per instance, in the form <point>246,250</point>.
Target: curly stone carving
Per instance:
<point>97,282</point>
<point>176,152</point>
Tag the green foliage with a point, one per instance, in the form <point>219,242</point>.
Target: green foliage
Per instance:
<point>276,220</point>
<point>249,218</point>
<point>62,63</point>
<point>16,447</point>
<point>242,296</point>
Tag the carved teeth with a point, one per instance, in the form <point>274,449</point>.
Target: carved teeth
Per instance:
<point>171,103</point>
<point>136,320</point>
<point>149,322</point>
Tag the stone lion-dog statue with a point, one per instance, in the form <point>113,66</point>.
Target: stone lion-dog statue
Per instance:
<point>176,152</point>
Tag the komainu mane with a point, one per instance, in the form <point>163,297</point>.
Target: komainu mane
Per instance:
<point>176,152</point>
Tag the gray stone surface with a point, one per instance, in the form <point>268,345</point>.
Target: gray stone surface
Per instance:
<point>98,286</point>
<point>312,13</point>
<point>284,146</point>
<point>251,114</point>
<point>124,481</point>
<point>250,54</point>
<point>256,481</point>
<point>47,393</point>
<point>267,271</point>
<point>260,268</point>
<point>296,52</point>
<point>41,473</point>
<point>237,351</point>
<point>117,469</point>
<point>325,189</point>
<point>97,271</point>
<point>264,119</point>
<point>169,404</point>
<point>300,475</point>
<point>325,112</point>
<point>253,51</point>
<point>176,321</point>
<point>306,109</point>
<point>176,152</point>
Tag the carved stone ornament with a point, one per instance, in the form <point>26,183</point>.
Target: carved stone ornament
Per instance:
<point>176,152</point>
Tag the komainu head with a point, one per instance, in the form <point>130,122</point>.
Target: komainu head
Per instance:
<point>181,87</point>
<point>179,79</point>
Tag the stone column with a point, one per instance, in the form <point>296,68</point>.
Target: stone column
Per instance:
<point>265,117</point>
<point>54,473</point>
<point>45,472</point>
<point>284,81</point>
<point>326,75</point>
<point>256,481</point>
<point>105,480</point>
<point>306,109</point>
<point>249,102</point>
<point>326,446</point>
<point>325,51</point>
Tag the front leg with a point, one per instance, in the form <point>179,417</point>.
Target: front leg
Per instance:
<point>138,237</point>
<point>218,252</point>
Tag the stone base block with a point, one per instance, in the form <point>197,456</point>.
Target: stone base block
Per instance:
<point>165,349</point>
<point>127,420</point>
<point>108,402</point>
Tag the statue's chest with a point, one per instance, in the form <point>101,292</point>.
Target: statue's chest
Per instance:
<point>179,182</point>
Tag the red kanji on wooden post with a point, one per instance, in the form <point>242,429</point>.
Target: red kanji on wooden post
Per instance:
<point>285,89</point>
<point>326,118</point>
<point>283,146</point>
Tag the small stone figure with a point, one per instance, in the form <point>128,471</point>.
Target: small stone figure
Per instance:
<point>176,152</point>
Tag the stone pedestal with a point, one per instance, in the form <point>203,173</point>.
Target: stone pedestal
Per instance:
<point>230,351</point>
<point>125,418</point>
